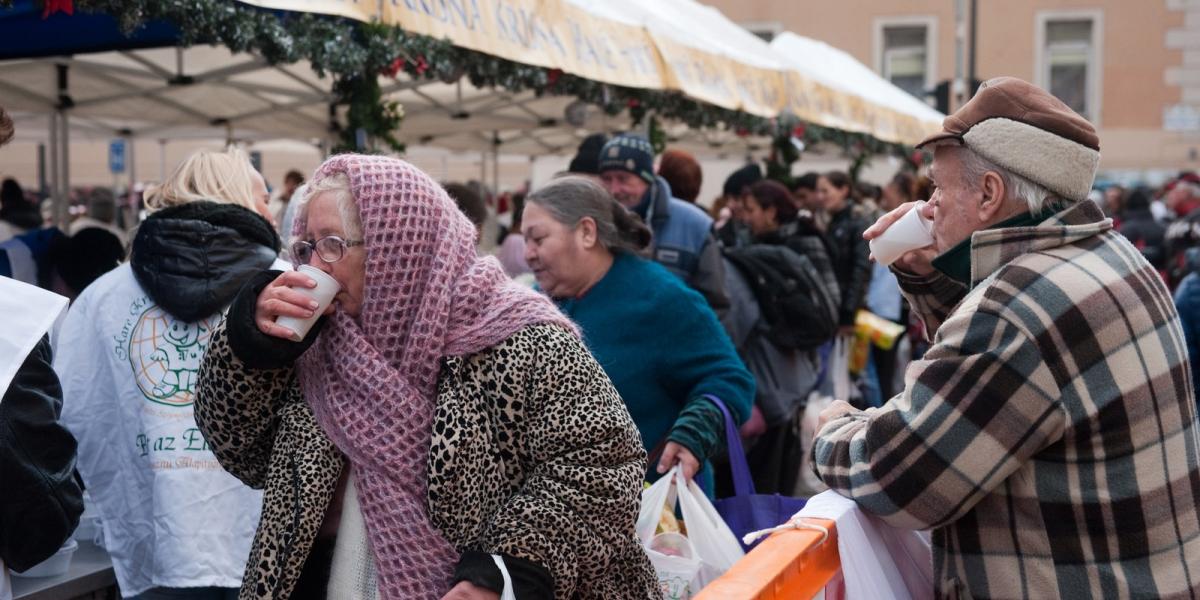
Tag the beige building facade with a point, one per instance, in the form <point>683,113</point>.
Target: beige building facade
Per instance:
<point>1132,67</point>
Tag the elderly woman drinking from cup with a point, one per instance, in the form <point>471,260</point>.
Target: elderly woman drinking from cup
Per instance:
<point>658,340</point>
<point>454,414</point>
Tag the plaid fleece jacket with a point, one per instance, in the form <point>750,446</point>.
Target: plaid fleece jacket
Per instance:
<point>1049,436</point>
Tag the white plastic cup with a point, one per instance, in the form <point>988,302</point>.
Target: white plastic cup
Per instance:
<point>327,288</point>
<point>911,232</point>
<point>58,564</point>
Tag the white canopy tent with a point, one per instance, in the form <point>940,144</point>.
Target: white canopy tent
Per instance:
<point>207,92</point>
<point>837,69</point>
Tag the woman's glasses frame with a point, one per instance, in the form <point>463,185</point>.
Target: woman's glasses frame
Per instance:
<point>330,249</point>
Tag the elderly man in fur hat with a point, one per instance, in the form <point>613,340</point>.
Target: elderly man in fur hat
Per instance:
<point>1049,436</point>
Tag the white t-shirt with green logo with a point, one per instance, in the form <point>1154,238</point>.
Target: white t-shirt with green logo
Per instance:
<point>172,517</point>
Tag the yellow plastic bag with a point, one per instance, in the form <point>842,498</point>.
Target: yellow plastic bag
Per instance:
<point>860,351</point>
<point>877,330</point>
<point>870,328</point>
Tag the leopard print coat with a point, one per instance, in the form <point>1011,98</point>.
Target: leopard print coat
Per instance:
<point>533,455</point>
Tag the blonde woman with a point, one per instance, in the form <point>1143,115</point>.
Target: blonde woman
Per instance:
<point>132,345</point>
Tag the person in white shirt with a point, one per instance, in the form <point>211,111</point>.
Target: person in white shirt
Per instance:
<point>40,502</point>
<point>172,517</point>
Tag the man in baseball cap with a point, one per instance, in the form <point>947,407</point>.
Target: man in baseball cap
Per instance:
<point>683,241</point>
<point>1048,438</point>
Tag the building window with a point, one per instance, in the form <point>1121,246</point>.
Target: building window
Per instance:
<point>1069,59</point>
<point>905,52</point>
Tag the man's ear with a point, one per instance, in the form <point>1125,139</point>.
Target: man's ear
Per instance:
<point>992,196</point>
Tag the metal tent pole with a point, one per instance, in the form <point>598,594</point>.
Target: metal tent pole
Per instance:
<point>495,162</point>
<point>162,160</point>
<point>63,198</point>
<point>42,166</point>
<point>131,160</point>
<point>62,215</point>
<point>54,158</point>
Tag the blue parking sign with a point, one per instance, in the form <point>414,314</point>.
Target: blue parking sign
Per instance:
<point>116,156</point>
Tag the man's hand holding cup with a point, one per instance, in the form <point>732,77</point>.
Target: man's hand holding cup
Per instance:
<point>904,237</point>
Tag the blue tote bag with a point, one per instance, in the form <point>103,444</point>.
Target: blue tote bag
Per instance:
<point>745,511</point>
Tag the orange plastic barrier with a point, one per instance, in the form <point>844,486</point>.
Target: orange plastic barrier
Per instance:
<point>793,565</point>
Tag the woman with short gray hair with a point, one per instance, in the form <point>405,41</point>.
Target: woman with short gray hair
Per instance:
<point>657,339</point>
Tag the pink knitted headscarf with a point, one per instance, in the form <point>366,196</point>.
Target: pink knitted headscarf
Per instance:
<point>372,380</point>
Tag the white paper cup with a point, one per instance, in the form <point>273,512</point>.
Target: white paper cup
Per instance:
<point>327,288</point>
<point>911,232</point>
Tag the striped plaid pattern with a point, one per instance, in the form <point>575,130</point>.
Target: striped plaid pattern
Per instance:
<point>932,298</point>
<point>1049,436</point>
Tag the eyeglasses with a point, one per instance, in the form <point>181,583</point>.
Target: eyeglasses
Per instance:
<point>330,248</point>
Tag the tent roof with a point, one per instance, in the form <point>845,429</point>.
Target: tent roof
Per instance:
<point>239,96</point>
<point>147,87</point>
<point>836,68</point>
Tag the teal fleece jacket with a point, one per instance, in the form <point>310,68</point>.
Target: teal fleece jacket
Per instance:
<point>663,348</point>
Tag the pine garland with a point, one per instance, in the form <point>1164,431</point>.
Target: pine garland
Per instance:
<point>353,53</point>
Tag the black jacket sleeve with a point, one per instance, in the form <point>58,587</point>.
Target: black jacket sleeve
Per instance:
<point>709,277</point>
<point>530,581</point>
<point>253,347</point>
<point>860,275</point>
<point>40,501</point>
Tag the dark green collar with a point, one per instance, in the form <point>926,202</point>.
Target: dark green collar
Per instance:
<point>955,263</point>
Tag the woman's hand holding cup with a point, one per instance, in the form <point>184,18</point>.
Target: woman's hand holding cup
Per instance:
<point>918,251</point>
<point>288,296</point>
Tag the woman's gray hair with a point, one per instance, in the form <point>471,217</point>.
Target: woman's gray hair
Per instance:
<point>339,186</point>
<point>571,199</point>
<point>974,166</point>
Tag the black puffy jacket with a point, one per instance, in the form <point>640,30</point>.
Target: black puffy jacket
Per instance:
<point>851,260</point>
<point>40,502</point>
<point>192,259</point>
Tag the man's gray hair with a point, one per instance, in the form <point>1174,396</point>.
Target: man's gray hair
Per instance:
<point>974,166</point>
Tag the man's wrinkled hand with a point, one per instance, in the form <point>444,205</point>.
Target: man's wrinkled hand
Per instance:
<point>917,262</point>
<point>839,408</point>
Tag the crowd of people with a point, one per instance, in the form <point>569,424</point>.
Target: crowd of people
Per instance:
<point>459,425</point>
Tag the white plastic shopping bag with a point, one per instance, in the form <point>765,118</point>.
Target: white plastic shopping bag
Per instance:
<point>715,544</point>
<point>675,564</point>
<point>654,501</point>
<point>508,593</point>
<point>807,482</point>
<point>672,555</point>
<point>709,549</point>
<point>879,562</point>
<point>839,367</point>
